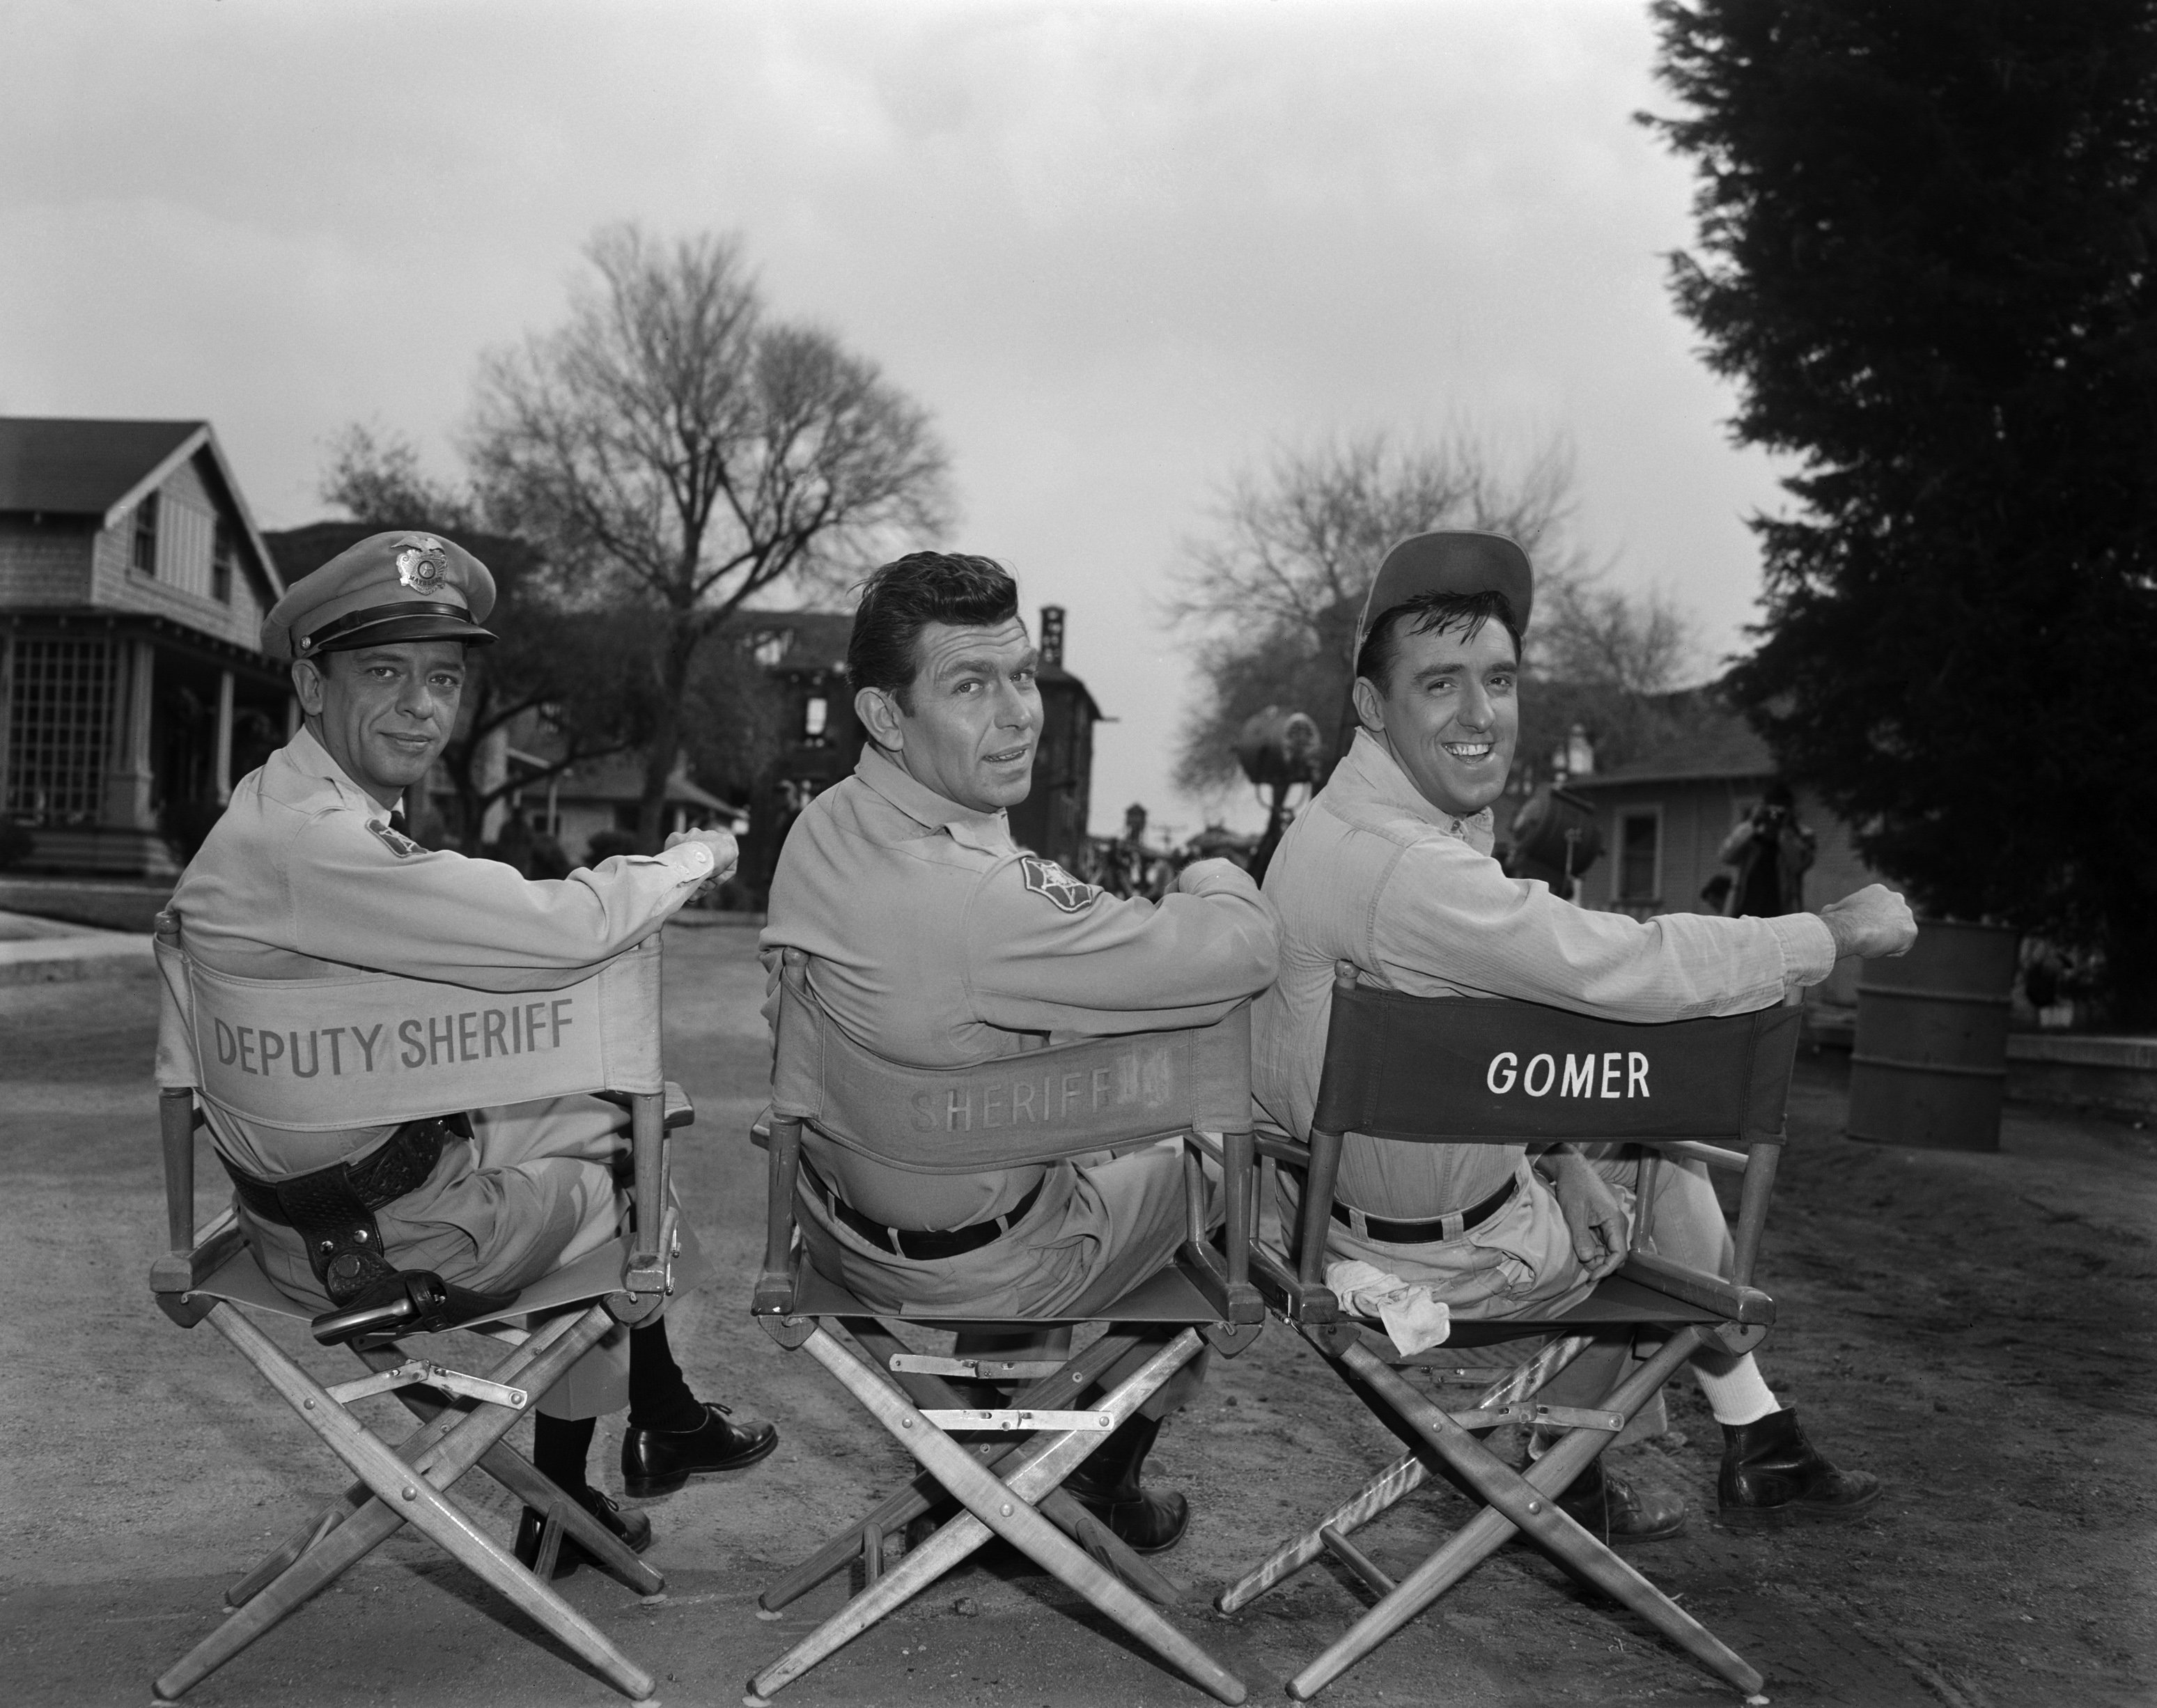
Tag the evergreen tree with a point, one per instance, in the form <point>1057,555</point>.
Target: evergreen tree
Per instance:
<point>1924,254</point>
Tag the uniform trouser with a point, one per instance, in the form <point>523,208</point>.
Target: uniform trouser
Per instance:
<point>533,1190</point>
<point>1095,1231</point>
<point>1520,1262</point>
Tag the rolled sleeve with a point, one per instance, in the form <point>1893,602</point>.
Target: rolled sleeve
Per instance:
<point>1036,963</point>
<point>1445,906</point>
<point>355,899</point>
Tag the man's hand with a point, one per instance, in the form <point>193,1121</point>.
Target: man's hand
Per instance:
<point>726,852</point>
<point>1870,922</point>
<point>1600,1228</point>
<point>1199,871</point>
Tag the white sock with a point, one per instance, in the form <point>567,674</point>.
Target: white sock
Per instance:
<point>1733,1388</point>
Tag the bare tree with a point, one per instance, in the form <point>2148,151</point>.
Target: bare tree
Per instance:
<point>1273,595</point>
<point>676,448</point>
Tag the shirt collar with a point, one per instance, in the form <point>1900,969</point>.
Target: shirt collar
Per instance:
<point>989,832</point>
<point>312,758</point>
<point>1373,774</point>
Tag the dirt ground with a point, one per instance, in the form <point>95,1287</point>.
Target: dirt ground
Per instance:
<point>1975,1329</point>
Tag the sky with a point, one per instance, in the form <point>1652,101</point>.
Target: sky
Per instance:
<point>1119,251</point>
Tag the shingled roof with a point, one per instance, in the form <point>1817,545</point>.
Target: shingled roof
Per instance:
<point>64,467</point>
<point>1717,743</point>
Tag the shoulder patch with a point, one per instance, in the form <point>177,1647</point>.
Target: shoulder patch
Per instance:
<point>1045,878</point>
<point>404,848</point>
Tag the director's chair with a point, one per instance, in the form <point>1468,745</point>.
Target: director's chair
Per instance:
<point>601,1035</point>
<point>1117,1093</point>
<point>1464,1071</point>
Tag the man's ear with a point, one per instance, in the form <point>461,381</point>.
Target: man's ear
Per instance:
<point>879,715</point>
<point>1370,705</point>
<point>307,683</point>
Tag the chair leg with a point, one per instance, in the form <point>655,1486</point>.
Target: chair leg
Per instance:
<point>1521,1502</point>
<point>1004,1508</point>
<point>896,1511</point>
<point>405,1493</point>
<point>1395,1483</point>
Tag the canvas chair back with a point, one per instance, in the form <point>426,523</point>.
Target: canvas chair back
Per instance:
<point>1034,1107</point>
<point>364,1048</point>
<point>1491,1070</point>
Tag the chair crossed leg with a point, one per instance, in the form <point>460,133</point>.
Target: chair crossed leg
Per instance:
<point>1001,1502</point>
<point>1515,1501</point>
<point>408,1484</point>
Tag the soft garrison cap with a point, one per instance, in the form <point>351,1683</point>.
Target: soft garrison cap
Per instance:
<point>398,586</point>
<point>1461,561</point>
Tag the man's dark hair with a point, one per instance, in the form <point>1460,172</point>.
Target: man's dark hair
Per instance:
<point>1420,616</point>
<point>1778,794</point>
<point>905,596</point>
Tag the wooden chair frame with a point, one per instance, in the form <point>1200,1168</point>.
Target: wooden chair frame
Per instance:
<point>1402,1067</point>
<point>210,1274</point>
<point>1010,1490</point>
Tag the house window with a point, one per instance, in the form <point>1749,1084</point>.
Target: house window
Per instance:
<point>59,717</point>
<point>814,717</point>
<point>220,564</point>
<point>1639,857</point>
<point>769,646</point>
<point>145,558</point>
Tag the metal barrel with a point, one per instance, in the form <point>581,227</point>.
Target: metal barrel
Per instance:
<point>1930,1058</point>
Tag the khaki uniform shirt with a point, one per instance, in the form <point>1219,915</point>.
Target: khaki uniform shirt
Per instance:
<point>302,876</point>
<point>1372,873</point>
<point>938,942</point>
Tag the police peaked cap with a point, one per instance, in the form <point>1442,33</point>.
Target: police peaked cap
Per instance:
<point>403,585</point>
<point>1460,561</point>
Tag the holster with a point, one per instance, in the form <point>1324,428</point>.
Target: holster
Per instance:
<point>332,1210</point>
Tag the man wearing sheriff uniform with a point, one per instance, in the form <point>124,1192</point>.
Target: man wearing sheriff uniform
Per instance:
<point>936,942</point>
<point>306,874</point>
<point>1390,868</point>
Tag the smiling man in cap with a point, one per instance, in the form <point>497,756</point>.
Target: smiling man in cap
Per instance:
<point>1390,868</point>
<point>307,874</point>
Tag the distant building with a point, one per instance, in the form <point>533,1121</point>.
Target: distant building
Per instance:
<point>132,586</point>
<point>820,741</point>
<point>598,795</point>
<point>1665,815</point>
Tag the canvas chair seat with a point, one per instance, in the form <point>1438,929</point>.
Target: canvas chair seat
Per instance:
<point>1105,1095</point>
<point>1433,1071</point>
<point>206,1072</point>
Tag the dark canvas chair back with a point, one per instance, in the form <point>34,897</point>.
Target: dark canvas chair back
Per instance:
<point>1031,1107</point>
<point>1469,1071</point>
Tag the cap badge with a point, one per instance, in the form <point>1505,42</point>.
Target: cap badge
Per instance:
<point>421,568</point>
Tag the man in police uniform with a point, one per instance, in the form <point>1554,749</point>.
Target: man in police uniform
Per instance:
<point>937,942</point>
<point>307,872</point>
<point>1390,868</point>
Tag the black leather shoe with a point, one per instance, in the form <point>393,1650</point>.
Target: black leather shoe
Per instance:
<point>660,1461</point>
<point>633,1528</point>
<point>1611,1509</point>
<point>1771,1474</point>
<point>1107,1485</point>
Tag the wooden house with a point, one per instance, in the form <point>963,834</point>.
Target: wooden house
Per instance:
<point>132,586</point>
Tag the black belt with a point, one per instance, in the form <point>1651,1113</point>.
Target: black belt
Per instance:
<point>923,1245</point>
<point>401,1164</point>
<point>1425,1233</point>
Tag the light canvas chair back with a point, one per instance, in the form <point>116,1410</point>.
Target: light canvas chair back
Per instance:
<point>366,1049</point>
<point>1462,1071</point>
<point>1031,1107</point>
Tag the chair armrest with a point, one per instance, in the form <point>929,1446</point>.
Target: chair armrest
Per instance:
<point>1726,1298</point>
<point>206,1252</point>
<point>1693,1150</point>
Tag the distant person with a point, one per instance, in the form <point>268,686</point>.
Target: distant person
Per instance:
<point>1389,868</point>
<point>308,874</point>
<point>1772,851</point>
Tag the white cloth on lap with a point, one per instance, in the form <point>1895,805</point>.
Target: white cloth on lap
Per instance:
<point>1415,1318</point>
